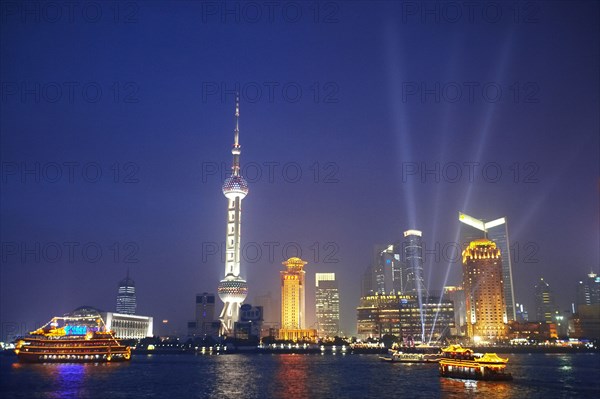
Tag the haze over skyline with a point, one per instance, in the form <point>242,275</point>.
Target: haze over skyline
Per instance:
<point>126,124</point>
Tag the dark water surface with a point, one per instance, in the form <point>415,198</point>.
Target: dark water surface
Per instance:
<point>294,376</point>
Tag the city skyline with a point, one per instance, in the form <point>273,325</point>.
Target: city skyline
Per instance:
<point>363,155</point>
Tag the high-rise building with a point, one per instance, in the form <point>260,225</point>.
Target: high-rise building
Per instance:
<point>233,289</point>
<point>387,269</point>
<point>328,305</point>
<point>386,275</point>
<point>293,294</point>
<point>293,298</point>
<point>497,231</point>
<point>457,296</point>
<point>545,308</point>
<point>126,300</point>
<point>413,282</point>
<point>588,290</point>
<point>484,291</point>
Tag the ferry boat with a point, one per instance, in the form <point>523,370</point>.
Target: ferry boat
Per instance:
<point>401,357</point>
<point>459,362</point>
<point>417,354</point>
<point>80,336</point>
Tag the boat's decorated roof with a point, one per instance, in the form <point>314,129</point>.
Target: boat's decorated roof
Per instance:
<point>456,348</point>
<point>492,358</point>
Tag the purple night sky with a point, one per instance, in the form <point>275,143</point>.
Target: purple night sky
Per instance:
<point>359,120</point>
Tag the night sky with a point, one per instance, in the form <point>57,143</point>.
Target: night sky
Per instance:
<point>358,121</point>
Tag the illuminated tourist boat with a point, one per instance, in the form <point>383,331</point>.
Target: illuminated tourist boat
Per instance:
<point>80,336</point>
<point>459,362</point>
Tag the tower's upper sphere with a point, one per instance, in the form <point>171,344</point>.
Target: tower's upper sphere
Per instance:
<point>233,289</point>
<point>235,186</point>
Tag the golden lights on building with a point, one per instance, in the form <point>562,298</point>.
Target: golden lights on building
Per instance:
<point>484,290</point>
<point>293,294</point>
<point>293,316</point>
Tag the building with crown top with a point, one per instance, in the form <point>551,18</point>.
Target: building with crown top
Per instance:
<point>484,290</point>
<point>496,230</point>
<point>293,298</point>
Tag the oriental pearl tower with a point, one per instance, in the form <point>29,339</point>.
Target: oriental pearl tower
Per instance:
<point>233,289</point>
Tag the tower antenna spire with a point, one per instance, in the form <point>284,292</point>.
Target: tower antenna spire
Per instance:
<point>237,149</point>
<point>237,120</point>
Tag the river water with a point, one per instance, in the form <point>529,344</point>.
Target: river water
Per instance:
<point>294,376</point>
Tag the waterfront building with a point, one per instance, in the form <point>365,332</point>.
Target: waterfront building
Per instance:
<point>545,308</point>
<point>293,294</point>
<point>403,317</point>
<point>126,299</point>
<point>586,322</point>
<point>251,322</point>
<point>128,326</point>
<point>496,230</point>
<point>531,331</point>
<point>327,301</point>
<point>233,289</point>
<point>484,290</point>
<point>204,323</point>
<point>293,301</point>
<point>378,315</point>
<point>426,321</point>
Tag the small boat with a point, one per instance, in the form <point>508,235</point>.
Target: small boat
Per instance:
<point>418,354</point>
<point>459,362</point>
<point>77,337</point>
<point>400,357</point>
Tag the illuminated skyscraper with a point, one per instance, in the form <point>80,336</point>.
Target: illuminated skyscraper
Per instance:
<point>126,301</point>
<point>384,274</point>
<point>497,231</point>
<point>233,289</point>
<point>328,304</point>
<point>484,290</point>
<point>413,282</point>
<point>293,295</point>
<point>545,307</point>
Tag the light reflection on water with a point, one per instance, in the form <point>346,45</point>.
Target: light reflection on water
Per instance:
<point>293,376</point>
<point>60,380</point>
